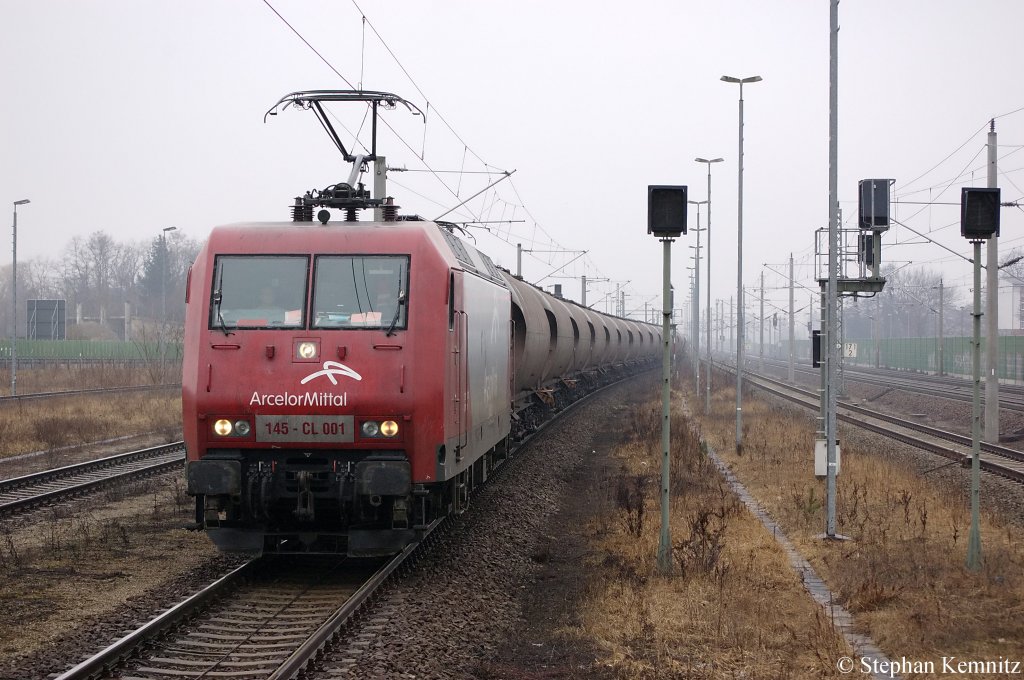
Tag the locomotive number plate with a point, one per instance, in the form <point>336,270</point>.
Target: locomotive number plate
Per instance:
<point>304,429</point>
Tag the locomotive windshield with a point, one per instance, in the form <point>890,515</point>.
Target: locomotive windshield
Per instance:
<point>360,291</point>
<point>259,291</point>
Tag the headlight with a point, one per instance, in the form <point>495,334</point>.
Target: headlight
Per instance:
<point>225,428</point>
<point>374,429</point>
<point>306,350</point>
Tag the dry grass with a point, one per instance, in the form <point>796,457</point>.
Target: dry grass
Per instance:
<point>733,608</point>
<point>56,423</point>
<point>60,422</point>
<point>56,376</point>
<point>903,575</point>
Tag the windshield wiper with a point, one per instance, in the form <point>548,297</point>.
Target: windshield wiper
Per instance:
<point>218,295</point>
<point>398,307</point>
<point>398,312</point>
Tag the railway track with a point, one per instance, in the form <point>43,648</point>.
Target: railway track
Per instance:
<point>30,491</point>
<point>39,396</point>
<point>955,447</point>
<point>1011,397</point>
<point>269,618</point>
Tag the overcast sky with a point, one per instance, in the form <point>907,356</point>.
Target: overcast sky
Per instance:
<point>132,116</point>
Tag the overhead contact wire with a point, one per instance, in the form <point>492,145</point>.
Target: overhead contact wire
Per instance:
<point>322,58</point>
<point>412,80</point>
<point>349,83</point>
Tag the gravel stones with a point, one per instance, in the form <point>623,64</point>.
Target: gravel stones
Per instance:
<point>483,589</point>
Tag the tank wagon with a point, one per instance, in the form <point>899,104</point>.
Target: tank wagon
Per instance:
<point>347,384</point>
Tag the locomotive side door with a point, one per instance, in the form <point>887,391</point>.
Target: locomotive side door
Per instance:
<point>457,409</point>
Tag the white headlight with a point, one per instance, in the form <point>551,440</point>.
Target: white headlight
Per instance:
<point>307,350</point>
<point>222,427</point>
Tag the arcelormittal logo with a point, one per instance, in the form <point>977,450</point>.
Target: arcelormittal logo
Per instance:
<point>331,369</point>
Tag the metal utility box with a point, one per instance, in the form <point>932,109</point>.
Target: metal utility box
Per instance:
<point>821,458</point>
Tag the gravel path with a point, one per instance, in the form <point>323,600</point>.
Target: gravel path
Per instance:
<point>486,603</point>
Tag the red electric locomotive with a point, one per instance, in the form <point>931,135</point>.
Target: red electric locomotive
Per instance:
<point>346,384</point>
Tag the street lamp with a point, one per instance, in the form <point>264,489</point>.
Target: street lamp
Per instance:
<point>739,271</point>
<point>707,383</point>
<point>695,316</point>
<point>163,272</point>
<point>14,297</point>
<point>163,295</point>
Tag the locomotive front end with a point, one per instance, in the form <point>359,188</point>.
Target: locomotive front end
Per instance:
<point>301,419</point>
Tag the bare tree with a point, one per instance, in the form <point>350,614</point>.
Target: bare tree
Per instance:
<point>127,261</point>
<point>100,249</point>
<point>75,273</point>
<point>908,307</point>
<point>98,272</point>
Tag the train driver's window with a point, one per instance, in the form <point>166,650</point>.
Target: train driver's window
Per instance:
<point>360,291</point>
<point>258,291</point>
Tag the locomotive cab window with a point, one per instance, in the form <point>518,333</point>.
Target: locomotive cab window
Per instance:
<point>259,291</point>
<point>361,291</point>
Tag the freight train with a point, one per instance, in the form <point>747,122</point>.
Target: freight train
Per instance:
<point>347,384</point>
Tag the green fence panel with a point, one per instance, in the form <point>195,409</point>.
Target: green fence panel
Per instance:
<point>922,354</point>
<point>87,350</point>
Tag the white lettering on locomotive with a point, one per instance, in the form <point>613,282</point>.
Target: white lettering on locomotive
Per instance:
<point>305,399</point>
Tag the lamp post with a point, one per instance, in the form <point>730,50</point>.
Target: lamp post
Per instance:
<point>739,271</point>
<point>14,298</point>
<point>707,383</point>
<point>696,306</point>
<point>163,295</point>
<point>163,272</point>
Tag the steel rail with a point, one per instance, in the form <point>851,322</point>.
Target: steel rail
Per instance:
<point>954,437</point>
<point>1011,396</point>
<point>103,662</point>
<point>809,400</point>
<point>127,648</point>
<point>90,391</point>
<point>312,648</point>
<point>81,477</point>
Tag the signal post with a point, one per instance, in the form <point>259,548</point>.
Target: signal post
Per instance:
<point>666,219</point>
